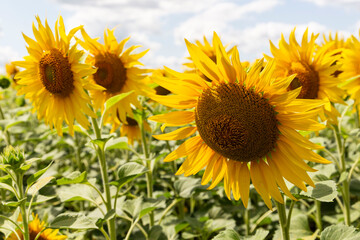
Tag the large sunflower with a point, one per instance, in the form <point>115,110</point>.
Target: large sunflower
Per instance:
<point>53,79</point>
<point>350,62</point>
<point>244,126</point>
<point>117,73</point>
<point>314,70</point>
<point>36,227</point>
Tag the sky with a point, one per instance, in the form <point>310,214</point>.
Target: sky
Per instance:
<point>162,25</point>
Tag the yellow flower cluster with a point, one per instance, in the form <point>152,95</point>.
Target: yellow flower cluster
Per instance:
<point>240,120</point>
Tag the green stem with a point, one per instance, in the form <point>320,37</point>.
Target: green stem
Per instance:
<point>24,216</point>
<point>105,179</point>
<point>133,224</point>
<point>174,202</point>
<point>7,134</point>
<point>283,222</point>
<point>357,117</point>
<point>345,183</point>
<point>77,152</point>
<point>149,174</point>
<point>247,222</point>
<point>318,215</point>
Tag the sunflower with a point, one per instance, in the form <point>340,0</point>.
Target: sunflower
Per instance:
<point>209,50</point>
<point>335,45</point>
<point>11,70</point>
<point>132,130</point>
<point>314,70</point>
<point>117,73</point>
<point>36,227</point>
<point>53,79</point>
<point>350,63</point>
<point>241,126</point>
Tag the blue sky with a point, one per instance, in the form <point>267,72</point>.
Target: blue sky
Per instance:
<point>162,25</point>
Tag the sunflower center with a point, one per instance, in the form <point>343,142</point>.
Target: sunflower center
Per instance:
<point>307,78</point>
<point>55,73</point>
<point>111,73</point>
<point>131,121</point>
<point>236,122</point>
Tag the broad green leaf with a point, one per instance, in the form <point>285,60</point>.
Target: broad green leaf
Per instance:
<point>115,99</point>
<point>34,177</point>
<point>39,198</point>
<point>117,143</point>
<point>340,231</point>
<point>77,192</point>
<point>228,234</point>
<point>72,220</point>
<point>39,185</point>
<point>128,172</point>
<point>139,207</point>
<point>74,177</point>
<point>185,186</point>
<point>324,191</point>
<point>260,234</point>
<point>155,232</point>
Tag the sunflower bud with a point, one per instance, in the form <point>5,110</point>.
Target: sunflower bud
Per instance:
<point>4,82</point>
<point>13,157</point>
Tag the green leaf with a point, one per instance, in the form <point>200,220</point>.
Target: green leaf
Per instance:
<point>108,215</point>
<point>101,142</point>
<point>355,187</point>
<point>74,177</point>
<point>128,172</point>
<point>260,234</point>
<point>34,177</point>
<point>340,231</point>
<point>74,221</point>
<point>14,124</point>
<point>39,185</point>
<point>6,183</point>
<point>228,234</point>
<point>185,186</point>
<point>115,99</point>
<point>14,204</point>
<point>181,226</point>
<point>117,143</point>
<point>146,211</point>
<point>77,192</point>
<point>324,191</point>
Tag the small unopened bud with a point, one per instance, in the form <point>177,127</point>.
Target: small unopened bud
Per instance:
<point>4,82</point>
<point>13,157</point>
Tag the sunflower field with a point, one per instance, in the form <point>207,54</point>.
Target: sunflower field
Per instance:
<point>95,145</point>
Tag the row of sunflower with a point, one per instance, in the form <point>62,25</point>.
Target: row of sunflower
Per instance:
<point>246,124</point>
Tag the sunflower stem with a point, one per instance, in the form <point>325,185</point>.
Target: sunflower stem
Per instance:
<point>283,221</point>
<point>105,178</point>
<point>149,174</point>
<point>247,222</point>
<point>24,216</point>
<point>7,134</point>
<point>318,215</point>
<point>345,183</point>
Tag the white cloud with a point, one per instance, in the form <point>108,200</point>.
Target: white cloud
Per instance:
<point>340,3</point>
<point>218,17</point>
